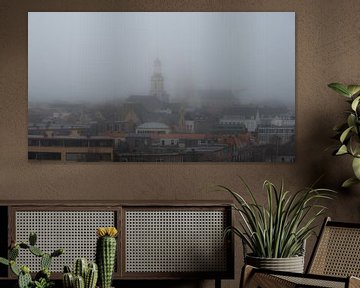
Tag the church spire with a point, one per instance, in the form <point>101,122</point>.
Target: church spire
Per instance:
<point>157,83</point>
<point>157,66</point>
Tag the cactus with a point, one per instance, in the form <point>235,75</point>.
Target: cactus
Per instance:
<point>89,272</point>
<point>91,276</point>
<point>105,254</point>
<point>81,265</point>
<point>14,268</point>
<point>36,251</point>
<point>45,261</point>
<point>24,245</point>
<point>24,280</point>
<point>57,253</point>
<point>68,280</point>
<point>32,238</point>
<point>42,278</point>
<point>44,273</point>
<point>79,282</point>
<point>67,269</point>
<point>13,253</point>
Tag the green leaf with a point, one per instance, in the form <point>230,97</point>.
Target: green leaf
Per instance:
<point>353,89</point>
<point>345,134</point>
<point>351,120</point>
<point>349,182</point>
<point>280,227</point>
<point>14,268</point>
<point>342,150</point>
<point>355,145</point>
<point>340,89</point>
<point>355,103</point>
<point>356,167</point>
<point>4,261</point>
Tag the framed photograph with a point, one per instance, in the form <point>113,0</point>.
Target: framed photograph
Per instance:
<point>161,86</point>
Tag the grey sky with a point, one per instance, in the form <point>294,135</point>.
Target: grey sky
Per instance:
<point>79,56</point>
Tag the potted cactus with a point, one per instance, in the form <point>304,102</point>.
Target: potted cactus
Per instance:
<point>42,278</point>
<point>84,275</point>
<point>106,254</point>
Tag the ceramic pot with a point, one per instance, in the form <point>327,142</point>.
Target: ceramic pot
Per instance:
<point>291,264</point>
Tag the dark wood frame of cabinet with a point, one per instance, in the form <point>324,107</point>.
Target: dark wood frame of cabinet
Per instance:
<point>7,219</point>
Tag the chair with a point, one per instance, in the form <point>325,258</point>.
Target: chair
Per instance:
<point>335,262</point>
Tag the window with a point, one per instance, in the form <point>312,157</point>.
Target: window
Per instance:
<point>44,155</point>
<point>88,157</point>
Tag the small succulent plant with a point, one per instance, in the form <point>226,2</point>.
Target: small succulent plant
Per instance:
<point>42,278</point>
<point>106,254</point>
<point>42,283</point>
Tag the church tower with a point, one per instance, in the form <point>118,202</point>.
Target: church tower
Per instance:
<point>157,83</point>
<point>181,124</point>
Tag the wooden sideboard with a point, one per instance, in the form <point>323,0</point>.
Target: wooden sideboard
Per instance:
<point>169,240</point>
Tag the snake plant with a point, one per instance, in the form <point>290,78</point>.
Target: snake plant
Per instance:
<point>279,228</point>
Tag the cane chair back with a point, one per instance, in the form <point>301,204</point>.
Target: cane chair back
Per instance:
<point>335,262</point>
<point>337,252</point>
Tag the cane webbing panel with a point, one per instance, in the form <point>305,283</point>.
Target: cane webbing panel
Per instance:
<point>74,231</point>
<point>175,241</point>
<point>267,280</point>
<point>313,282</point>
<point>338,252</point>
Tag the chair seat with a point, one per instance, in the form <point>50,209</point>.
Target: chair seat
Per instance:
<point>315,282</point>
<point>268,279</point>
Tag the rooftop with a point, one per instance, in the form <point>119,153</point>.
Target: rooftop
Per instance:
<point>180,136</point>
<point>71,137</point>
<point>153,125</point>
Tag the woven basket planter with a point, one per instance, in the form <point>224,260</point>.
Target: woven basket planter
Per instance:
<point>291,264</point>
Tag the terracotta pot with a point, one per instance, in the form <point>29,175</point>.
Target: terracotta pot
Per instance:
<point>291,264</point>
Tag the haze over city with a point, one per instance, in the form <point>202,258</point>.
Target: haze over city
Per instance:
<point>161,87</point>
<point>105,56</point>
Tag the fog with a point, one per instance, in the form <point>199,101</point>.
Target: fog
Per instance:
<point>101,56</point>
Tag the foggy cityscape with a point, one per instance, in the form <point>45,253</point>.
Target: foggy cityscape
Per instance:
<point>161,87</point>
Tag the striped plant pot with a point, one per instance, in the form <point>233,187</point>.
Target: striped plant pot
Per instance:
<point>291,264</point>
